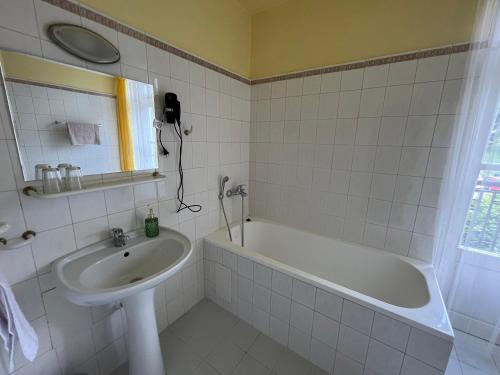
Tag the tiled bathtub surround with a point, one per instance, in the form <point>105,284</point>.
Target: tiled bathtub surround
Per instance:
<point>74,338</point>
<point>357,154</point>
<point>332,332</point>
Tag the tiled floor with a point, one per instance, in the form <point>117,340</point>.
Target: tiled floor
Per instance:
<point>471,357</point>
<point>209,340</point>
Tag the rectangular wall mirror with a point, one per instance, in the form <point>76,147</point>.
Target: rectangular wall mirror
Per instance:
<point>65,114</point>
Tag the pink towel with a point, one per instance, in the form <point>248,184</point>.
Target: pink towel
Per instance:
<point>83,134</point>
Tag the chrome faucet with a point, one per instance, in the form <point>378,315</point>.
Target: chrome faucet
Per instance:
<point>237,190</point>
<point>119,238</point>
<point>240,190</point>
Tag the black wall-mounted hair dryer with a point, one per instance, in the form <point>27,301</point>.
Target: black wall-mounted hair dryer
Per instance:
<point>172,109</point>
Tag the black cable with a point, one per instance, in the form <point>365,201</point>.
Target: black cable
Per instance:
<point>180,188</point>
<point>165,151</point>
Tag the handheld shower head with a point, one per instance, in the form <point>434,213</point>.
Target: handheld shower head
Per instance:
<point>223,182</point>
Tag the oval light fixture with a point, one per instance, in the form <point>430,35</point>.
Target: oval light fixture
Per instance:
<point>83,43</point>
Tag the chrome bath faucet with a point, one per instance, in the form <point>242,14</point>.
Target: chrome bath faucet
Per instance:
<point>237,190</point>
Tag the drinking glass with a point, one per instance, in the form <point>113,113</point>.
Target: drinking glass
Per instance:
<point>51,180</point>
<point>74,178</point>
<point>64,173</point>
<point>39,171</point>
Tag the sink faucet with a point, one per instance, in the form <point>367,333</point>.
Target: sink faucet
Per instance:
<point>119,238</point>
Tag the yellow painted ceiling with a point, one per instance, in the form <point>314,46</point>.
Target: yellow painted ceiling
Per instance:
<point>256,6</point>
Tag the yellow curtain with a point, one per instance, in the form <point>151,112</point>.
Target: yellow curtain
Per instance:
<point>124,126</point>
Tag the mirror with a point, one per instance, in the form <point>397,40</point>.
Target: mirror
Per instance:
<point>66,114</point>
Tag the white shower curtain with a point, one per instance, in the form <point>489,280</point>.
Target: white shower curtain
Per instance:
<point>475,116</point>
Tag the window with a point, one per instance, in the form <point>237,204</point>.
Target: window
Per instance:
<point>482,225</point>
<point>141,104</point>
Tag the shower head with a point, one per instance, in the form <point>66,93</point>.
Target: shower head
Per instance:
<point>223,182</point>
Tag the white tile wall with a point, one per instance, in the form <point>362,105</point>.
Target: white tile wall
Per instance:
<point>335,333</point>
<point>357,154</point>
<point>36,108</point>
<point>77,339</point>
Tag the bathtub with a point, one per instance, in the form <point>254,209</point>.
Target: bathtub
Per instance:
<point>372,283</point>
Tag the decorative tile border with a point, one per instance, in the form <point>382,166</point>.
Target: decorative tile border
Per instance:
<point>372,62</point>
<point>108,22</point>
<point>34,83</point>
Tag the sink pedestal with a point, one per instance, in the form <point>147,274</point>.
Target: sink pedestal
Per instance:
<point>143,341</point>
<point>102,274</point>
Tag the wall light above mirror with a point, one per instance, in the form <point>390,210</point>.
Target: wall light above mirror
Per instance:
<point>66,114</point>
<point>83,43</point>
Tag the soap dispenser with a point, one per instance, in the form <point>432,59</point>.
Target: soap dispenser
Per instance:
<point>151,225</point>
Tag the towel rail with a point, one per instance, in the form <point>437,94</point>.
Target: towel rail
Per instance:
<point>25,239</point>
<point>4,227</point>
<point>66,123</point>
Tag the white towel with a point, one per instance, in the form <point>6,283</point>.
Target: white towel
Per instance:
<point>14,328</point>
<point>83,134</point>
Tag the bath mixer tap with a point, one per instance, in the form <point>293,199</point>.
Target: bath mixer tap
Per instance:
<point>119,238</point>
<point>237,190</point>
<point>240,190</point>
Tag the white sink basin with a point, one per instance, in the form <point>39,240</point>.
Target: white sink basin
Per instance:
<point>102,274</point>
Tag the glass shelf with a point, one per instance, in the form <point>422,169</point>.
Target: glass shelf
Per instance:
<point>34,192</point>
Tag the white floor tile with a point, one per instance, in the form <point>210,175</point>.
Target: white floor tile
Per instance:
<point>454,367</point>
<point>178,357</point>
<point>243,335</point>
<point>204,369</point>
<point>225,356</point>
<point>202,326</point>
<point>496,356</point>
<point>266,351</point>
<point>250,366</point>
<point>474,352</point>
<point>469,370</point>
<point>292,364</point>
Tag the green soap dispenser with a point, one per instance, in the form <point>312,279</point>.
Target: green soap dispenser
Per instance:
<point>151,225</point>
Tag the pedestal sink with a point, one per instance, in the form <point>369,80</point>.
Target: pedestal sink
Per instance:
<point>102,274</point>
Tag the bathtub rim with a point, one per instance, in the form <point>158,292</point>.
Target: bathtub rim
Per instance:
<point>410,316</point>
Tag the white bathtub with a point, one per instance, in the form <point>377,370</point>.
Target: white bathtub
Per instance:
<point>396,286</point>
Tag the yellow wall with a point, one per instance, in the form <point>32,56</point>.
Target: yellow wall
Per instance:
<point>296,35</point>
<point>216,30</point>
<point>16,65</point>
<point>315,33</point>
